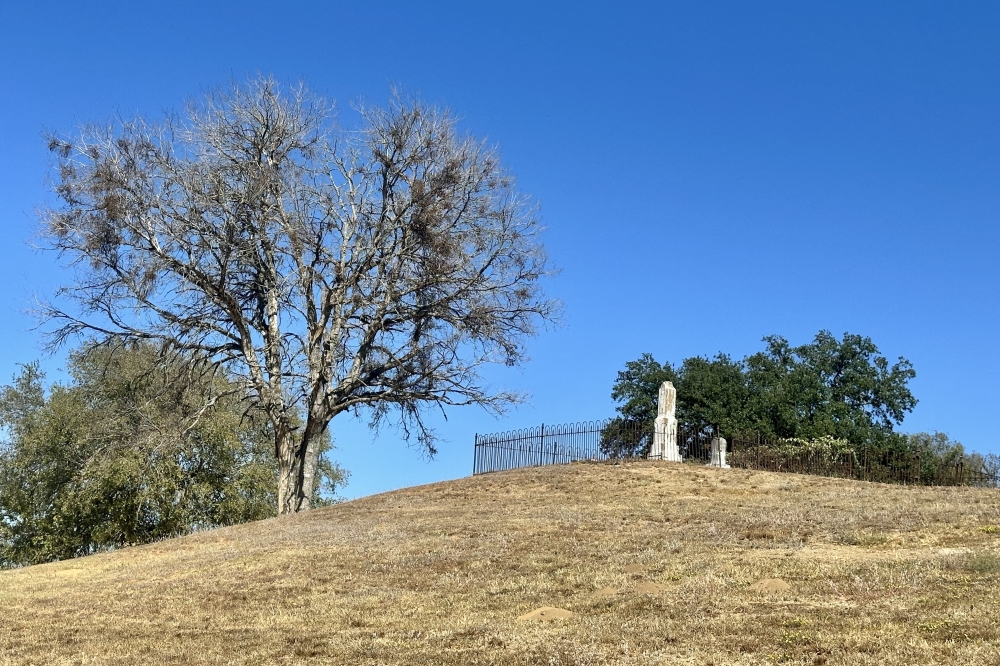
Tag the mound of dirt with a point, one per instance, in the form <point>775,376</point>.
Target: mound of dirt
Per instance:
<point>546,614</point>
<point>771,585</point>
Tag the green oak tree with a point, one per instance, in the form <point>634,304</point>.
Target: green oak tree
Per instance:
<point>136,447</point>
<point>829,387</point>
<point>842,389</point>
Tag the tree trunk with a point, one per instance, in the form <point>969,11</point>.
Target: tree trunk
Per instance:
<point>310,475</point>
<point>297,472</point>
<point>289,488</point>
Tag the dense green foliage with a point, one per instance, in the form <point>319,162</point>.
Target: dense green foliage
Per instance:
<point>135,448</point>
<point>829,388</point>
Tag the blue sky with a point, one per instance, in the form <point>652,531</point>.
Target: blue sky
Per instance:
<point>709,173</point>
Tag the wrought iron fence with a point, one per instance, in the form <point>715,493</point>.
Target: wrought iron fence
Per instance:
<point>540,445</point>
<point>569,442</point>
<point>614,438</point>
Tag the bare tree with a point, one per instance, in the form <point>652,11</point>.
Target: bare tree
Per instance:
<point>376,269</point>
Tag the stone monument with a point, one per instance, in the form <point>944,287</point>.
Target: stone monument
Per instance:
<point>665,428</point>
<point>718,453</point>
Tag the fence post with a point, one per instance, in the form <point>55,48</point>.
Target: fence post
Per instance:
<point>541,447</point>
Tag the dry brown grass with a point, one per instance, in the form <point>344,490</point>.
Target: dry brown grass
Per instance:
<point>438,575</point>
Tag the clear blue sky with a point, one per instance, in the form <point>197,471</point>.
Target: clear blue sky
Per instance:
<point>709,173</point>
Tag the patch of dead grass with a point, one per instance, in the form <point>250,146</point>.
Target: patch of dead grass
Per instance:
<point>657,563</point>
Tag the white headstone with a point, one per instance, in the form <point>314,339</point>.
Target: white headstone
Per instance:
<point>665,428</point>
<point>718,453</point>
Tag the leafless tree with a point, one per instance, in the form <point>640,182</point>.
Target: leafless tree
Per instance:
<point>374,269</point>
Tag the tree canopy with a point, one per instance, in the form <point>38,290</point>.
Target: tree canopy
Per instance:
<point>842,389</point>
<point>135,448</point>
<point>372,269</point>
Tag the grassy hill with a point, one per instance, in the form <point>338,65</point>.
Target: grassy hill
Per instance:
<point>656,561</point>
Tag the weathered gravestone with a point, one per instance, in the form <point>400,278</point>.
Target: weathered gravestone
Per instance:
<point>718,453</point>
<point>665,427</point>
<point>665,431</point>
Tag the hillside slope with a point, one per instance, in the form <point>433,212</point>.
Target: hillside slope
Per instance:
<point>657,562</point>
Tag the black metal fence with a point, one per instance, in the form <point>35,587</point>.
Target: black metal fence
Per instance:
<point>613,438</point>
<point>540,445</point>
<point>587,440</point>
